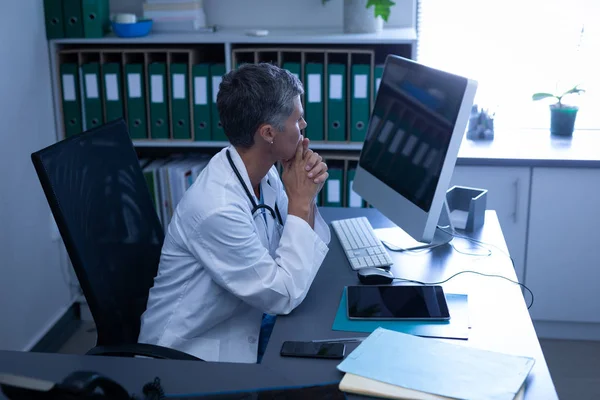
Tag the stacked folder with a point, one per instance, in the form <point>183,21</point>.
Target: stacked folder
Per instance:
<point>399,366</point>
<point>337,191</point>
<point>76,18</point>
<point>168,179</point>
<point>160,100</point>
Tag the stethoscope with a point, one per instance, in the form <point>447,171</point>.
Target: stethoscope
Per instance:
<point>255,207</point>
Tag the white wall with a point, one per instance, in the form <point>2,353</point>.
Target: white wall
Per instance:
<point>33,292</point>
<point>272,14</point>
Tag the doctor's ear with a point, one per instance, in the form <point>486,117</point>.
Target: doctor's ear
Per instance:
<point>267,133</point>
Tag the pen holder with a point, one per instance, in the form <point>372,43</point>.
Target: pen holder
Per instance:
<point>481,125</point>
<point>467,207</point>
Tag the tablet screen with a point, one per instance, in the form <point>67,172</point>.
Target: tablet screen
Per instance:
<point>397,302</point>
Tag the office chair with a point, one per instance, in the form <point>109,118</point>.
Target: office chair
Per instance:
<point>104,212</point>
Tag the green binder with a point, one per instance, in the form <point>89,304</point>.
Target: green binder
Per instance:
<point>378,76</point>
<point>313,86</point>
<point>72,18</point>
<point>216,74</point>
<point>336,102</point>
<point>293,67</point>
<point>71,102</point>
<point>333,188</point>
<point>202,127</point>
<point>136,101</point>
<point>53,15</point>
<point>359,105</point>
<point>113,98</point>
<point>352,198</point>
<point>159,120</point>
<point>92,99</point>
<point>95,17</point>
<point>180,102</point>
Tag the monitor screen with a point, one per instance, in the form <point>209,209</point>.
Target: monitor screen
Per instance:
<point>410,129</point>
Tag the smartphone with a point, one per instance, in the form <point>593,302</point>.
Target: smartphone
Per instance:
<point>403,302</point>
<point>313,350</point>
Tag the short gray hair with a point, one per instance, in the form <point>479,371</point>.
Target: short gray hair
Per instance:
<point>255,94</point>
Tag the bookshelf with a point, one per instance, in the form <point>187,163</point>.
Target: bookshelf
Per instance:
<point>230,47</point>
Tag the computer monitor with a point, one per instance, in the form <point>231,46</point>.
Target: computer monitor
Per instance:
<point>412,142</point>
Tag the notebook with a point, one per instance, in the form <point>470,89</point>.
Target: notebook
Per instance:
<point>437,367</point>
<point>369,387</point>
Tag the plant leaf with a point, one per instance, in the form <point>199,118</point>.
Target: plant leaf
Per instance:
<point>382,8</point>
<point>540,96</point>
<point>574,90</point>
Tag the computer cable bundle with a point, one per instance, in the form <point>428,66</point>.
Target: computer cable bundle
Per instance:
<point>453,234</point>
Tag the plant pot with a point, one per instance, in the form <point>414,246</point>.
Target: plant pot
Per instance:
<point>562,120</point>
<point>360,19</point>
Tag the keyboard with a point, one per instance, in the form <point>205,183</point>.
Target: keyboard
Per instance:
<point>363,249</point>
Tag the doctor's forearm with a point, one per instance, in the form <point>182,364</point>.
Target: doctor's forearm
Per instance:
<point>313,211</point>
<point>301,210</point>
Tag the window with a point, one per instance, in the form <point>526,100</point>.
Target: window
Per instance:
<point>515,48</point>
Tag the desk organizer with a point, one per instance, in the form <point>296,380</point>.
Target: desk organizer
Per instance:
<point>467,207</point>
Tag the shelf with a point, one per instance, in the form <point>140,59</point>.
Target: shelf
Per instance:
<point>287,36</point>
<point>175,144</point>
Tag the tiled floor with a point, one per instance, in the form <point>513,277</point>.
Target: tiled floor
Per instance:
<point>574,365</point>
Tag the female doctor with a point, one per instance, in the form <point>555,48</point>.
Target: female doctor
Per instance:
<point>241,246</point>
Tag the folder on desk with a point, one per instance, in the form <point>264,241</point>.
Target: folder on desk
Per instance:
<point>359,103</point>
<point>353,199</point>
<point>313,108</point>
<point>136,101</point>
<point>336,102</point>
<point>72,18</point>
<point>293,67</point>
<point>437,367</point>
<point>92,97</point>
<point>333,188</point>
<point>378,76</point>
<point>95,18</point>
<point>113,100</point>
<point>216,75</point>
<point>159,119</point>
<point>71,103</point>
<point>201,84</point>
<point>180,102</point>
<point>53,16</point>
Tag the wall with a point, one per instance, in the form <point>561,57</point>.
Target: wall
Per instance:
<point>272,14</point>
<point>33,289</point>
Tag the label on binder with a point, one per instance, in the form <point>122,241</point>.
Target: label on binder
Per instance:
<point>360,86</point>
<point>377,83</point>
<point>335,86</point>
<point>68,87</point>
<point>134,83</point>
<point>179,86</point>
<point>112,88</point>
<point>156,87</point>
<point>216,81</point>
<point>355,200</point>
<point>200,91</point>
<point>314,88</point>
<point>333,191</point>
<point>91,86</point>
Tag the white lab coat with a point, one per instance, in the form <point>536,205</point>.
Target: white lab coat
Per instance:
<point>220,269</point>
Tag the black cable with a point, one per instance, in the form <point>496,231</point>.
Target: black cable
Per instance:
<point>471,272</point>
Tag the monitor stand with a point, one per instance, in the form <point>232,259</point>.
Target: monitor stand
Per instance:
<point>398,240</point>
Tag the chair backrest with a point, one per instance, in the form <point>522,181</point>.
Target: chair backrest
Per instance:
<point>104,212</point>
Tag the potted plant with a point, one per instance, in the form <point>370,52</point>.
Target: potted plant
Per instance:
<point>358,18</point>
<point>562,116</point>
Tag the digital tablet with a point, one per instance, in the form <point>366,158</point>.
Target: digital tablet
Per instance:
<point>397,303</point>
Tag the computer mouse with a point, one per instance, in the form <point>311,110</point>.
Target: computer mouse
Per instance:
<point>374,276</point>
